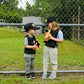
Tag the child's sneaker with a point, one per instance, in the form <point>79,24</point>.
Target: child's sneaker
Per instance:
<point>52,76</point>
<point>33,75</point>
<point>44,76</point>
<point>27,76</point>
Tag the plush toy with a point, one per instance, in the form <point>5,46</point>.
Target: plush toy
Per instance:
<point>48,35</point>
<point>37,44</point>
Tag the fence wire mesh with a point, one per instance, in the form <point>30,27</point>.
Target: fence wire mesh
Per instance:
<point>71,51</point>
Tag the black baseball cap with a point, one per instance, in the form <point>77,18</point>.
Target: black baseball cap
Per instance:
<point>29,26</point>
<point>49,20</point>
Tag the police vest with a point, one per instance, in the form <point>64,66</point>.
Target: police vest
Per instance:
<point>51,43</point>
<point>30,42</point>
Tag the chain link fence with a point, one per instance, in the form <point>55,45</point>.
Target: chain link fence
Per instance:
<point>69,15</point>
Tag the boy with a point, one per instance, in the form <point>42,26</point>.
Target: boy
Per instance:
<point>50,50</point>
<point>29,49</point>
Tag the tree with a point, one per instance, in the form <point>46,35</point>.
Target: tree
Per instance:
<point>63,10</point>
<point>32,10</point>
<point>10,4</point>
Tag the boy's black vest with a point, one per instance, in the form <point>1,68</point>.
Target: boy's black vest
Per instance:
<point>52,43</point>
<point>30,42</point>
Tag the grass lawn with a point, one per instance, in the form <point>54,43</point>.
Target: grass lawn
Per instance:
<point>61,79</point>
<point>70,56</point>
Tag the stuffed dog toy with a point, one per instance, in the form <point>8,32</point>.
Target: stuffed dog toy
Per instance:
<point>48,35</point>
<point>37,44</point>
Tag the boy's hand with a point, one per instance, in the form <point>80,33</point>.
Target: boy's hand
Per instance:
<point>36,45</point>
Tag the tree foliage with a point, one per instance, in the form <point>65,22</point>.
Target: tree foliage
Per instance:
<point>63,10</point>
<point>9,11</point>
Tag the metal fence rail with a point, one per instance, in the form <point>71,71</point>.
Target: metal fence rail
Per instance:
<point>22,24</point>
<point>59,71</point>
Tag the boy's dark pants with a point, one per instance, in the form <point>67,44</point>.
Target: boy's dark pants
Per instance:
<point>29,64</point>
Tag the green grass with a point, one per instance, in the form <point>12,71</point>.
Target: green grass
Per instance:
<point>17,79</point>
<point>70,56</point>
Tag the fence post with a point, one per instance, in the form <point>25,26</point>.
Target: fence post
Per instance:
<point>73,30</point>
<point>78,23</point>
